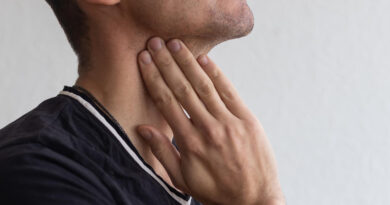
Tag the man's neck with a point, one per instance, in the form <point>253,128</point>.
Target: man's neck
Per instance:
<point>114,79</point>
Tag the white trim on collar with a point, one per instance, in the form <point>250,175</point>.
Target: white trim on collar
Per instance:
<point>90,108</point>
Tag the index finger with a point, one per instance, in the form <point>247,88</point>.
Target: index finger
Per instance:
<point>164,98</point>
<point>199,80</point>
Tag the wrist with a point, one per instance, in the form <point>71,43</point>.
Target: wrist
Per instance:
<point>274,201</point>
<point>271,201</point>
<point>273,196</point>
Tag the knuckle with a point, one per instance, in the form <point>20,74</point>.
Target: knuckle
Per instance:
<point>212,130</point>
<point>231,131</point>
<point>187,61</point>
<point>253,126</point>
<point>182,90</point>
<point>215,135</point>
<point>214,74</point>
<point>165,61</point>
<point>228,94</point>
<point>250,124</point>
<point>163,99</point>
<point>195,150</point>
<point>205,89</point>
<point>217,143</point>
<point>154,76</point>
<point>235,134</point>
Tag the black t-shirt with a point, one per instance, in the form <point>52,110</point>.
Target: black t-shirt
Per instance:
<point>69,151</point>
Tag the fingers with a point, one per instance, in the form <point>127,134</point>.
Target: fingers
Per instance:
<point>198,78</point>
<point>162,96</point>
<point>166,153</point>
<point>225,88</point>
<point>177,82</point>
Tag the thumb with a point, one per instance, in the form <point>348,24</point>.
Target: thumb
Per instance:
<point>166,153</point>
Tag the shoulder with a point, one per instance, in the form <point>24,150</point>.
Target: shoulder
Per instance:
<point>39,162</point>
<point>34,174</point>
<point>33,122</point>
<point>59,121</point>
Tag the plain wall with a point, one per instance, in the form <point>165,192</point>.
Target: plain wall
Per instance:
<point>316,73</point>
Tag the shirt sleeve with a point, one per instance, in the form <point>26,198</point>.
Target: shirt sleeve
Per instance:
<point>34,174</point>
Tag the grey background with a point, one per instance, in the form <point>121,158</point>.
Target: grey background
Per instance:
<point>316,73</point>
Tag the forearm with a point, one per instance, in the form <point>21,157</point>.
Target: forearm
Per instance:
<point>272,202</point>
<point>280,200</point>
<point>274,198</point>
<point>275,201</point>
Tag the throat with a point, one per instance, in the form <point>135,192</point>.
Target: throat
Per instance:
<point>128,111</point>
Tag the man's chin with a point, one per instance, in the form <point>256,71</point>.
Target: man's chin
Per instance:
<point>239,23</point>
<point>221,27</point>
<point>240,27</point>
<point>248,21</point>
<point>246,28</point>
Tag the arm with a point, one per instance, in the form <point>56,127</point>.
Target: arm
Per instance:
<point>225,156</point>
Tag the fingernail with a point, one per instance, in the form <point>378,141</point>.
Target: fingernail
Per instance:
<point>146,134</point>
<point>174,45</point>
<point>203,60</point>
<point>146,58</point>
<point>155,44</point>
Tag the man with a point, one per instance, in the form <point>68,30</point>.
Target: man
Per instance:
<point>107,140</point>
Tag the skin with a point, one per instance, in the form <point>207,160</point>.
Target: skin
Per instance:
<point>225,157</point>
<point>222,134</point>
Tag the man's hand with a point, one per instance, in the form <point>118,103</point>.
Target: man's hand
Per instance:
<point>225,157</point>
